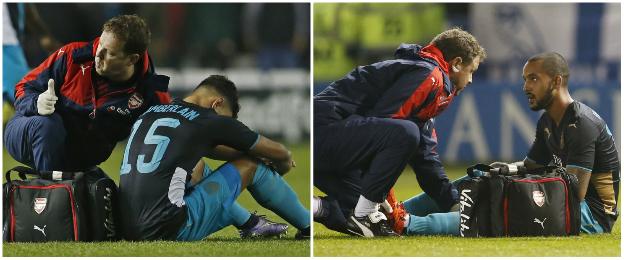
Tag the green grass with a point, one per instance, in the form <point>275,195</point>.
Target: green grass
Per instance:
<point>330,243</point>
<point>223,243</point>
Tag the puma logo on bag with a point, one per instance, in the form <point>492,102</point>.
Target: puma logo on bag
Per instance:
<point>40,229</point>
<point>535,220</point>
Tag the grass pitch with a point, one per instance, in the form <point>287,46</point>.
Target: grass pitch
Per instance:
<point>330,243</point>
<point>223,243</point>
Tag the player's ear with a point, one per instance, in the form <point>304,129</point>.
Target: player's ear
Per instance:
<point>559,80</point>
<point>217,103</point>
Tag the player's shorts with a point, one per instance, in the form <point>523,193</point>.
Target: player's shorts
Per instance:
<point>208,204</point>
<point>589,224</point>
<point>14,68</point>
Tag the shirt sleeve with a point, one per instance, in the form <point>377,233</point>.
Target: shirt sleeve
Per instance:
<point>429,171</point>
<point>235,134</point>
<point>581,144</point>
<point>427,157</point>
<point>539,152</point>
<point>35,82</point>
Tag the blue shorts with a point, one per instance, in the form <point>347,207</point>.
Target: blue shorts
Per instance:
<point>209,201</point>
<point>589,224</point>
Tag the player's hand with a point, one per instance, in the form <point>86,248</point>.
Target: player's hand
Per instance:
<point>47,100</point>
<point>505,168</point>
<point>499,164</point>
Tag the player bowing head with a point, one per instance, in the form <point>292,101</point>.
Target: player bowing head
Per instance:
<point>170,196</point>
<point>219,93</point>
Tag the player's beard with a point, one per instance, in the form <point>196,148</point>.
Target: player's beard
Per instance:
<point>547,100</point>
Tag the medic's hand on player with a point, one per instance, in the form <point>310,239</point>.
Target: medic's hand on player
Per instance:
<point>47,100</point>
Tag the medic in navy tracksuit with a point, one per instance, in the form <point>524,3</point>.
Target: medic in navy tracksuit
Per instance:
<point>371,123</point>
<point>91,114</point>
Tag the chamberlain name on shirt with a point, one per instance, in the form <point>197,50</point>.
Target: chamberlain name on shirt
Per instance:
<point>187,113</point>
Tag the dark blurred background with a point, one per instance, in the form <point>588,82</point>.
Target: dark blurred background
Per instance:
<point>490,120</point>
<point>263,47</point>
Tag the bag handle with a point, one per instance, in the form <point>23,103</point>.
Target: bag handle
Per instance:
<point>48,175</point>
<point>549,170</point>
<point>479,170</point>
<point>22,171</point>
<point>484,170</point>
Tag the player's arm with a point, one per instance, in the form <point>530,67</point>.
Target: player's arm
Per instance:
<point>224,153</point>
<point>234,134</point>
<point>583,177</point>
<point>539,155</point>
<point>581,145</point>
<point>35,82</point>
<point>276,153</point>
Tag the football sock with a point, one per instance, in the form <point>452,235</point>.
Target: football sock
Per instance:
<point>251,222</point>
<point>240,216</point>
<point>365,207</point>
<point>272,192</point>
<point>422,205</point>
<point>434,224</point>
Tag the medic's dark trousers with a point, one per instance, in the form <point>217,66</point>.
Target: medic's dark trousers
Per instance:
<point>362,156</point>
<point>37,141</point>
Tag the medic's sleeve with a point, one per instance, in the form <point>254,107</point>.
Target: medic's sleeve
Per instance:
<point>429,171</point>
<point>36,81</point>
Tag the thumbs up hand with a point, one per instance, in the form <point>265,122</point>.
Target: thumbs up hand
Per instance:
<point>47,100</point>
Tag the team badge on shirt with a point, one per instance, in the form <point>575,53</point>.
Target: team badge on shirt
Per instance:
<point>135,101</point>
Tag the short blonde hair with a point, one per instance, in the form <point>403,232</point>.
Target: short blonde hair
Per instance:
<point>456,42</point>
<point>131,29</point>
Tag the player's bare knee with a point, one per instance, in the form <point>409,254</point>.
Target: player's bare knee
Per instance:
<point>198,172</point>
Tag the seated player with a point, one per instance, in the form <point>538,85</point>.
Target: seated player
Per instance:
<point>166,144</point>
<point>569,134</point>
